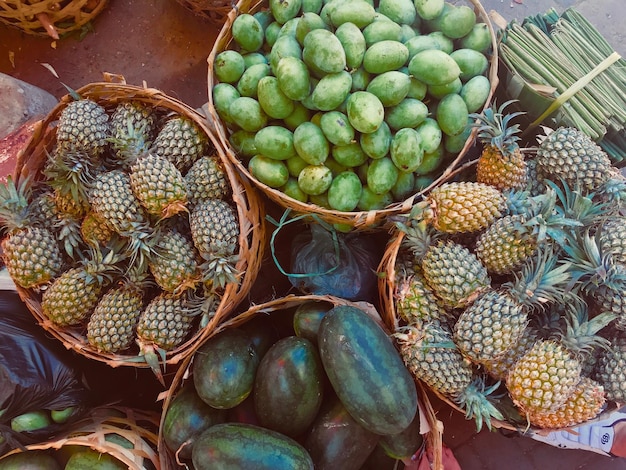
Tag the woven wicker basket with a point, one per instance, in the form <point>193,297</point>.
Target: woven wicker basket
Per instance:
<point>358,220</point>
<point>387,291</point>
<point>49,17</point>
<point>250,212</point>
<point>138,427</point>
<point>215,11</point>
<point>169,460</point>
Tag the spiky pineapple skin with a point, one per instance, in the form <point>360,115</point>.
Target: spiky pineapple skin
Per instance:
<point>610,370</point>
<point>572,156</point>
<point>181,141</point>
<point>500,366</point>
<point>71,298</point>
<point>490,326</point>
<point>32,256</point>
<point>165,321</point>
<point>505,245</point>
<point>206,179</point>
<point>84,126</point>
<point>454,273</point>
<point>465,206</point>
<point>416,303</point>
<point>543,378</point>
<point>158,185</point>
<point>111,326</point>
<point>503,172</point>
<point>585,402</point>
<point>613,238</point>
<point>95,230</point>
<point>175,266</point>
<point>133,126</point>
<point>214,227</point>
<point>113,199</point>
<point>441,368</point>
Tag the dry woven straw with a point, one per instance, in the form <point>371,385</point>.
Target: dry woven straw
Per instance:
<point>169,460</point>
<point>387,291</point>
<point>250,212</point>
<point>213,10</point>
<point>138,427</point>
<point>49,17</point>
<point>358,220</point>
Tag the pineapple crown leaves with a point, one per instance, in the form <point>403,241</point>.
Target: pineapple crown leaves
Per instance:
<point>581,333</point>
<point>428,335</point>
<point>14,201</point>
<point>476,400</point>
<point>70,173</point>
<point>218,271</point>
<point>544,278</point>
<point>574,205</point>
<point>133,142</point>
<point>494,127</point>
<point>154,356</point>
<point>419,236</point>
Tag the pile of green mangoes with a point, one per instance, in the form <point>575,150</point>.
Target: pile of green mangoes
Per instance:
<point>351,104</point>
<point>315,385</point>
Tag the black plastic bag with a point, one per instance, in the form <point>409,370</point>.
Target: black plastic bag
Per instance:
<point>36,373</point>
<point>327,262</point>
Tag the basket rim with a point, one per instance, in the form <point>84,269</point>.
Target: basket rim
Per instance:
<point>250,211</point>
<point>358,220</point>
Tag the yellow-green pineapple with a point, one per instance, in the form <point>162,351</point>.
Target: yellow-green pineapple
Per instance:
<point>30,251</point>
<point>501,163</point>
<point>610,369</point>
<point>175,262</point>
<point>570,155</point>
<point>84,127</point>
<point>206,179</point>
<point>133,126</point>
<point>181,141</point>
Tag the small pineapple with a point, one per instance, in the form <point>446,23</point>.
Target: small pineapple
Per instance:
<point>181,141</point>
<point>215,233</point>
<point>206,179</point>
<point>416,303</point>
<point>612,238</point>
<point>111,326</point>
<point>31,252</point>
<point>133,127</point>
<point>496,321</point>
<point>174,263</point>
<point>585,403</point>
<point>84,127</point>
<point>501,163</point>
<point>71,298</point>
<point>570,155</point>
<point>431,356</point>
<point>544,378</point>
<point>460,207</point>
<point>499,367</point>
<point>610,369</point>
<point>95,230</point>
<point>452,271</point>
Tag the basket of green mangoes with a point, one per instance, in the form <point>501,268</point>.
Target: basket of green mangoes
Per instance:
<point>350,109</point>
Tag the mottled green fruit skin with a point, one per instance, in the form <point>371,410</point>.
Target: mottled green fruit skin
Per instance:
<point>93,460</point>
<point>308,317</point>
<point>186,417</point>
<point>366,371</point>
<point>344,192</point>
<point>224,369</point>
<point>336,440</point>
<point>288,388</point>
<point>406,443</point>
<point>30,460</point>
<point>239,445</point>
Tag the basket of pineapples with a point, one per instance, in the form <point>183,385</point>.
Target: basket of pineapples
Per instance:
<point>53,18</point>
<point>128,234</point>
<point>506,289</point>
<point>112,437</point>
<point>350,112</point>
<point>278,400</point>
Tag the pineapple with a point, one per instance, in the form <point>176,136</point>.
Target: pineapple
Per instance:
<point>181,141</point>
<point>71,298</point>
<point>416,303</point>
<point>206,179</point>
<point>215,233</point>
<point>133,127</point>
<point>585,403</point>
<point>612,238</point>
<point>570,155</point>
<point>95,230</point>
<point>30,251</point>
<point>610,369</point>
<point>174,263</point>
<point>452,271</point>
<point>84,127</point>
<point>544,378</point>
<point>431,356</point>
<point>111,326</point>
<point>496,321</point>
<point>501,163</point>
<point>534,178</point>
<point>461,207</point>
<point>499,367</point>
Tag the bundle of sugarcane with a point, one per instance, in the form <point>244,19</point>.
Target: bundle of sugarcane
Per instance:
<point>567,54</point>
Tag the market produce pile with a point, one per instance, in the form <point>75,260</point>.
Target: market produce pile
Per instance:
<point>129,234</point>
<point>350,107</point>
<point>513,283</point>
